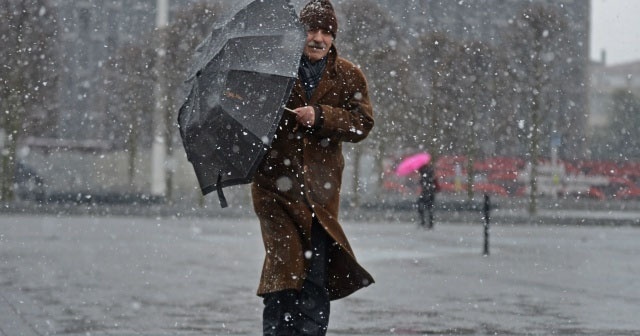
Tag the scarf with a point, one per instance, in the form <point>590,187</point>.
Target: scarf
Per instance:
<point>310,74</point>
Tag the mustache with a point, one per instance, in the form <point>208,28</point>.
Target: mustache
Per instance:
<point>316,45</point>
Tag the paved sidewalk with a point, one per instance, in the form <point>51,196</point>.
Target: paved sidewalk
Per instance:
<point>121,276</point>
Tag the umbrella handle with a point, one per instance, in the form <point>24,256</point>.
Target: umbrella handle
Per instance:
<point>290,110</point>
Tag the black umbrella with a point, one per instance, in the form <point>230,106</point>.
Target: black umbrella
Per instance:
<point>242,77</point>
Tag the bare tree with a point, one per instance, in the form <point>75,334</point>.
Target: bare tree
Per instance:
<point>618,140</point>
<point>435,61</point>
<point>368,37</point>
<point>28,77</point>
<point>130,84</point>
<point>474,96</point>
<point>131,79</point>
<point>189,27</point>
<point>466,100</point>
<point>533,44</point>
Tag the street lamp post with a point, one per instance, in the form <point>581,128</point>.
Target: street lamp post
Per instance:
<point>159,144</point>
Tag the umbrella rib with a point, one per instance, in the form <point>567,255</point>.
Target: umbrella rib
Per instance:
<point>260,72</point>
<point>195,71</point>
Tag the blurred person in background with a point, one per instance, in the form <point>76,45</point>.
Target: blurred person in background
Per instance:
<point>427,198</point>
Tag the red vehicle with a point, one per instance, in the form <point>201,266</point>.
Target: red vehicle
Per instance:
<point>622,188</point>
<point>629,194</point>
<point>481,188</point>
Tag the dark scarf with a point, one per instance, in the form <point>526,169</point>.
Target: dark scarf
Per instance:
<point>310,74</point>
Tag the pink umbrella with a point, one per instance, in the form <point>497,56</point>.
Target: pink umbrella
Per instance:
<point>412,163</point>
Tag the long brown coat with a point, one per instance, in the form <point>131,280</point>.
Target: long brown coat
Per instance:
<point>301,177</point>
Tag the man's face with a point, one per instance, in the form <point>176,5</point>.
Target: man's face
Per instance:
<point>318,44</point>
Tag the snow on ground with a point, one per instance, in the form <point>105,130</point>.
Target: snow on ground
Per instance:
<point>140,276</point>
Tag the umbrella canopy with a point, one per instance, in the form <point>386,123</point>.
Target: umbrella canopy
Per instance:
<point>412,163</point>
<point>242,76</point>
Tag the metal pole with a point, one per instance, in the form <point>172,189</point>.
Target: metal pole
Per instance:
<point>159,144</point>
<point>486,210</point>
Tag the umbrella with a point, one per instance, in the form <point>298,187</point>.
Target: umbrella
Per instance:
<point>242,76</point>
<point>412,163</point>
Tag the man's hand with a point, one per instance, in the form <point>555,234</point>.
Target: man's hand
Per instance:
<point>306,116</point>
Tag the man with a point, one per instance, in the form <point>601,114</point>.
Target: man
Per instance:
<point>296,190</point>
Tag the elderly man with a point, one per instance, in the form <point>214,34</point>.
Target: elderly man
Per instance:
<point>296,191</point>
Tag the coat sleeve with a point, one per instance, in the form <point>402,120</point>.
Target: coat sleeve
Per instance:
<point>352,119</point>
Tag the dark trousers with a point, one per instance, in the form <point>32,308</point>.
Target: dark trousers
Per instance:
<point>425,204</point>
<point>289,312</point>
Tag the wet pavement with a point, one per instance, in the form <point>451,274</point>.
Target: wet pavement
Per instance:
<point>83,275</point>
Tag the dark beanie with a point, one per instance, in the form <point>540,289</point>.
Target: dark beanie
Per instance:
<point>319,14</point>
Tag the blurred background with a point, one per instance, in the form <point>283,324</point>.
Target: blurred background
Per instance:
<point>532,102</point>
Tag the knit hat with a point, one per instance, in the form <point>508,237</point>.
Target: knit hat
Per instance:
<point>319,14</point>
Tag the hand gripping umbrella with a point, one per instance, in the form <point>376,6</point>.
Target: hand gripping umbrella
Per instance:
<point>242,77</point>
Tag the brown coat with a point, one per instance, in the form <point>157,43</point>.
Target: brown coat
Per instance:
<point>301,177</point>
